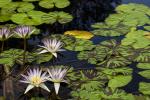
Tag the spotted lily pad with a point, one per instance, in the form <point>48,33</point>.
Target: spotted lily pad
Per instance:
<point>80,45</point>
<point>53,17</point>
<point>142,55</point>
<point>104,29</point>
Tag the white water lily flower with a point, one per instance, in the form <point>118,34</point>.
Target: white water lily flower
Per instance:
<point>35,78</point>
<point>52,46</point>
<point>56,75</point>
<point>24,31</point>
<point>5,33</point>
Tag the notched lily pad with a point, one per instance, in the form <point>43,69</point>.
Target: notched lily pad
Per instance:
<point>104,29</point>
<point>80,45</point>
<point>53,17</point>
<point>29,18</point>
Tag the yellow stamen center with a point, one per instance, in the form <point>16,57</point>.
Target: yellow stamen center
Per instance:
<point>36,80</point>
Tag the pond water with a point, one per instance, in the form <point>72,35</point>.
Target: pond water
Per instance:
<point>85,15</point>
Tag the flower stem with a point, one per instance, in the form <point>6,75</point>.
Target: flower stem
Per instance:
<point>2,47</point>
<point>24,54</point>
<point>8,90</point>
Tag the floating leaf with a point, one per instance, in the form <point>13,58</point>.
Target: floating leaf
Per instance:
<point>10,8</point>
<point>144,65</point>
<point>54,3</point>
<point>64,17</point>
<point>144,88</point>
<point>147,28</point>
<point>115,61</point>
<point>143,55</point>
<point>92,57</point>
<point>80,45</point>
<point>4,2</point>
<point>104,29</point>
<point>145,74</point>
<point>80,34</point>
<point>4,18</point>
<point>49,18</point>
<point>112,71</point>
<point>61,17</point>
<point>129,14</point>
<point>41,58</point>
<point>25,7</point>
<point>119,81</point>
<point>31,18</point>
<point>117,94</point>
<point>136,38</point>
<point>46,4</point>
<point>9,57</point>
<point>31,0</point>
<point>109,54</point>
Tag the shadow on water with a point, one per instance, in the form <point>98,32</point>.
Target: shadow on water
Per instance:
<point>133,86</point>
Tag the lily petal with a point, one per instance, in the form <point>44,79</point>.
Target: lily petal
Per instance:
<point>43,86</point>
<point>56,86</point>
<point>43,51</point>
<point>55,54</point>
<point>29,88</point>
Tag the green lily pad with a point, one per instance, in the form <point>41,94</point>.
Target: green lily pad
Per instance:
<point>104,29</point>
<point>145,74</point>
<point>142,55</point>
<point>9,57</point>
<point>31,0</point>
<point>144,65</point>
<point>147,28</point>
<point>29,18</point>
<point>136,38</point>
<point>80,45</point>
<point>4,18</point>
<point>4,2</point>
<point>144,88</point>
<point>119,81</point>
<point>54,3</point>
<point>112,71</point>
<point>61,17</point>
<point>25,7</point>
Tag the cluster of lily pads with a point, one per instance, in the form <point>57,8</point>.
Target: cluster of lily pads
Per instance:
<point>26,12</point>
<point>113,59</point>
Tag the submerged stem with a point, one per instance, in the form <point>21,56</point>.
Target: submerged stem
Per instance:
<point>8,90</point>
<point>24,54</point>
<point>2,47</point>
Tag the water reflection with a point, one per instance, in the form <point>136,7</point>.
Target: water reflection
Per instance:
<point>85,13</point>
